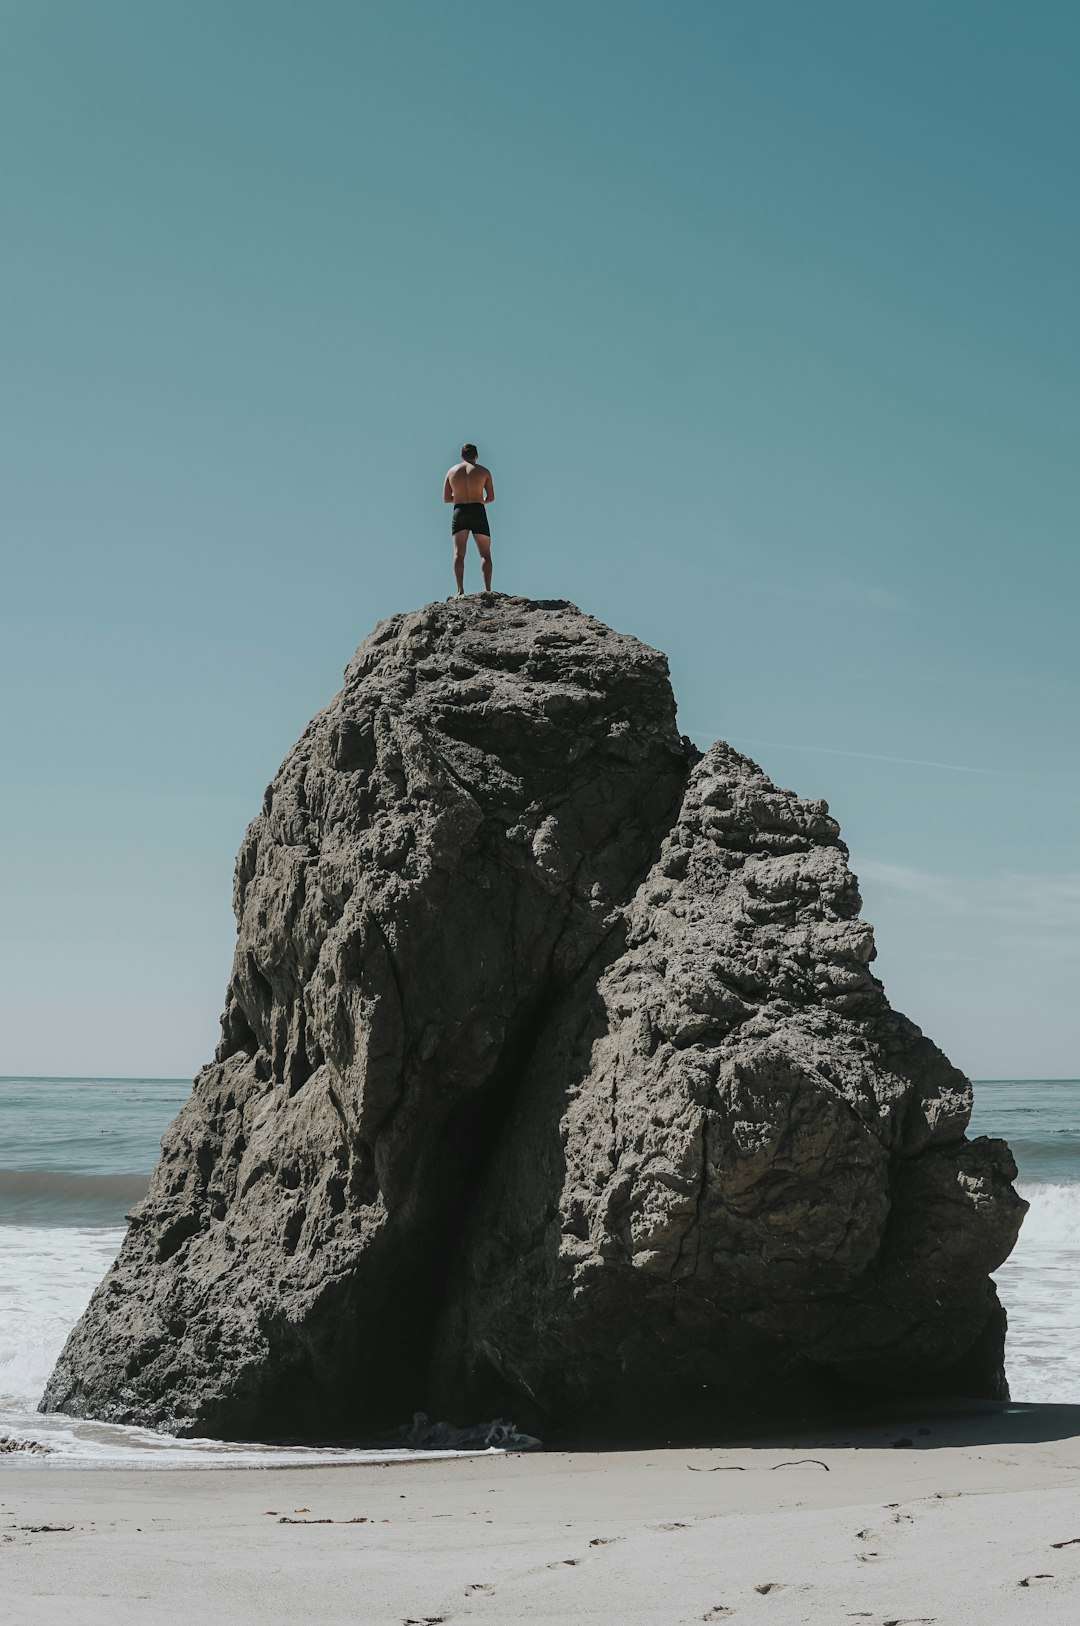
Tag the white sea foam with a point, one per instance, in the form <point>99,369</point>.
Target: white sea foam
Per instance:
<point>1040,1287</point>
<point>47,1275</point>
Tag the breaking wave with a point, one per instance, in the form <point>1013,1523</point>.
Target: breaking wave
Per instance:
<point>51,1197</point>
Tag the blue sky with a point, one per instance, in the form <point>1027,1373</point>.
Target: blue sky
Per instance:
<point>764,315</point>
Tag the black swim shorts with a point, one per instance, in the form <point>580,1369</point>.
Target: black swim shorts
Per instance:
<point>470,516</point>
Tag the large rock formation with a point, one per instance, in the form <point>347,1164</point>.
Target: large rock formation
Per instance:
<point>552,1076</point>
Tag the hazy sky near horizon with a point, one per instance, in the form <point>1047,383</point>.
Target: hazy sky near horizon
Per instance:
<point>764,315</point>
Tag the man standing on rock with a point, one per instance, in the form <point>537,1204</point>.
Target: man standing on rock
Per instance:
<point>470,488</point>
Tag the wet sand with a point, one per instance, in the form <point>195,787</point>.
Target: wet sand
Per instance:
<point>976,1520</point>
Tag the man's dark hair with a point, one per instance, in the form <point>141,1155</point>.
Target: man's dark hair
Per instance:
<point>469,452</point>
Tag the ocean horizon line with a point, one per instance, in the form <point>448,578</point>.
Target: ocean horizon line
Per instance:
<point>188,1078</point>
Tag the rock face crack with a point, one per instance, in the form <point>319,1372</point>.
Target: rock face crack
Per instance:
<point>553,1076</point>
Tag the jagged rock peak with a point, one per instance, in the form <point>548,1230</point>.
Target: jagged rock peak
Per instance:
<point>553,1076</point>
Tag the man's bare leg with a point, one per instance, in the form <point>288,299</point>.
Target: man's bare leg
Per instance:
<point>484,544</point>
<point>461,542</point>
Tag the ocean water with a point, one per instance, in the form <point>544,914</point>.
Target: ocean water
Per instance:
<point>75,1154</point>
<point>1039,1283</point>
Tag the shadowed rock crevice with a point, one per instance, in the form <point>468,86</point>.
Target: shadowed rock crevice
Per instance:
<point>552,1073</point>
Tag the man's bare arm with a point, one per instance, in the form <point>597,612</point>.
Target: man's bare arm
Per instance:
<point>489,486</point>
<point>448,490</point>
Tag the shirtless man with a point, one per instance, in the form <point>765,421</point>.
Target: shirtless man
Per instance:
<point>470,488</point>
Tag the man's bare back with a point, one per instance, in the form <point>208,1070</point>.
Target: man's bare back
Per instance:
<point>469,486</point>
<point>468,482</point>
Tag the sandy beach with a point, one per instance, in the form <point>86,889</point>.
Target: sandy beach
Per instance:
<point>976,1520</point>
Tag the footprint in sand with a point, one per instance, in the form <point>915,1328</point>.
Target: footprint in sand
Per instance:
<point>718,1611</point>
<point>870,1534</point>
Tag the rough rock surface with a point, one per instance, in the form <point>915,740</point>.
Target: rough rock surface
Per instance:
<point>552,1076</point>
<point>733,1168</point>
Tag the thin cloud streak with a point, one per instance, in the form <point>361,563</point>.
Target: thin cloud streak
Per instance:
<point>1043,903</point>
<point>869,756</point>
